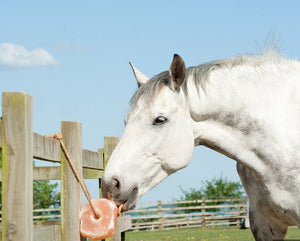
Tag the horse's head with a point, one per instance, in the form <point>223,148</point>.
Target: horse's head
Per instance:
<point>158,138</point>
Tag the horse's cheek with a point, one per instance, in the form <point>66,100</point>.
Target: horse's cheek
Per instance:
<point>179,153</point>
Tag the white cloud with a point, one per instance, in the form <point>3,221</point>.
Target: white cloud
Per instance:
<point>19,56</point>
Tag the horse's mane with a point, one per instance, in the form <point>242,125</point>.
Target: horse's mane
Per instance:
<point>201,73</point>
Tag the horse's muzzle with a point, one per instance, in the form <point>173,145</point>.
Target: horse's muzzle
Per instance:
<point>114,190</point>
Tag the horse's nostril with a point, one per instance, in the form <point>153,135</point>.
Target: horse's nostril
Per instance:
<point>116,183</point>
<point>110,187</point>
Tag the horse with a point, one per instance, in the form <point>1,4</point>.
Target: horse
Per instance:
<point>245,107</point>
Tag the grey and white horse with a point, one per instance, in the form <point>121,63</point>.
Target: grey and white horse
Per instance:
<point>246,107</point>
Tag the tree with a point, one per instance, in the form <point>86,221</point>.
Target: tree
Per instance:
<point>45,196</point>
<point>216,188</point>
<point>45,193</point>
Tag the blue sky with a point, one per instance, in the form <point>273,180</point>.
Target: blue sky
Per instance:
<point>72,57</point>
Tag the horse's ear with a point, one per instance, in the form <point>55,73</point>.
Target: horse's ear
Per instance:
<point>139,76</point>
<point>177,71</point>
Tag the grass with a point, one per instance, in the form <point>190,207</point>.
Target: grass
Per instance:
<point>196,234</point>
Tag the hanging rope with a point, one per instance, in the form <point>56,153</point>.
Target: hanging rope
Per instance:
<point>59,137</point>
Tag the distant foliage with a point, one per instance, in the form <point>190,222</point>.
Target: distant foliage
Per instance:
<point>217,188</point>
<point>45,194</point>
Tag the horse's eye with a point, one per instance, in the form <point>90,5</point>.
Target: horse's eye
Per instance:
<point>160,120</point>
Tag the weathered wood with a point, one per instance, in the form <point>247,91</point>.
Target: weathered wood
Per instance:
<point>19,146</point>
<point>161,220</point>
<point>168,209</point>
<point>50,233</point>
<point>47,149</point>
<point>101,153</point>
<point>167,215</point>
<point>45,217</point>
<point>49,216</point>
<point>203,205</point>
<point>0,134</point>
<point>92,173</point>
<point>177,215</point>
<point>109,145</point>
<point>46,173</point>
<point>92,159</point>
<point>175,223</point>
<point>70,188</point>
<point>224,218</point>
<point>217,200</point>
<point>54,173</point>
<point>46,210</point>
<point>237,220</point>
<point>45,223</point>
<point>17,152</point>
<point>51,228</point>
<point>123,224</point>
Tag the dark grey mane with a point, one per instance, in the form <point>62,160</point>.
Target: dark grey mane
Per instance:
<point>201,73</point>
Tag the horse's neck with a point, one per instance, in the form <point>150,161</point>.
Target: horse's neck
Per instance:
<point>236,111</point>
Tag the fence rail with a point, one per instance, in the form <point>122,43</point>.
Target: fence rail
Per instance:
<point>185,214</point>
<point>19,146</point>
<point>169,215</point>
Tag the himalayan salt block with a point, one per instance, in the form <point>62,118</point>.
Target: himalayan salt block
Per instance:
<point>103,226</point>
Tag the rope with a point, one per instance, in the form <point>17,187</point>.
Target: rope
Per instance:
<point>58,136</point>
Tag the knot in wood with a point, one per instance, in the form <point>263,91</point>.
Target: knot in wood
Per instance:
<point>12,228</point>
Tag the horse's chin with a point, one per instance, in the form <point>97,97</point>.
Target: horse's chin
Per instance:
<point>131,201</point>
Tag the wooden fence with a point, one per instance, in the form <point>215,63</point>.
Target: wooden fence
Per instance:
<point>186,214</point>
<point>178,214</point>
<point>19,146</point>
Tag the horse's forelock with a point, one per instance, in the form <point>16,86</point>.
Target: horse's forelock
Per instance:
<point>151,89</point>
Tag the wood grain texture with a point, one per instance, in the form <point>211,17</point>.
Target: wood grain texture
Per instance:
<point>48,233</point>
<point>19,146</point>
<point>110,144</point>
<point>123,224</point>
<point>45,148</point>
<point>48,149</point>
<point>17,152</point>
<point>70,188</point>
<point>46,173</point>
<point>92,159</point>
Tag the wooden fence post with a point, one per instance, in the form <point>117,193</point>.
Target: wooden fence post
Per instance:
<point>17,164</point>
<point>109,145</point>
<point>159,207</point>
<point>203,210</point>
<point>203,224</point>
<point>70,188</point>
<point>203,203</point>
<point>101,152</point>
